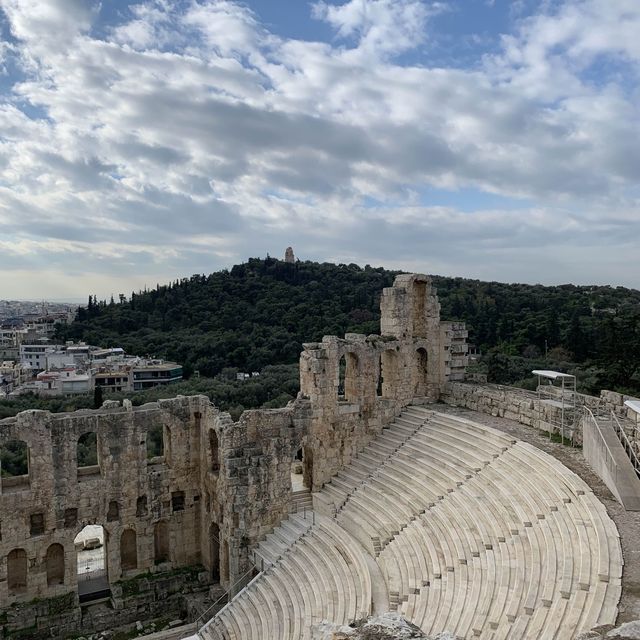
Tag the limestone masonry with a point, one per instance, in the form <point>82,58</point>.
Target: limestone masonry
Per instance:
<point>177,484</point>
<point>179,499</point>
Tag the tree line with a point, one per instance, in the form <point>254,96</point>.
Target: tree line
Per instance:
<point>260,312</point>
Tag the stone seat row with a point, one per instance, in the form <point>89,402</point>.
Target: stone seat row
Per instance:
<point>506,582</point>
<point>322,575</point>
<point>550,478</point>
<point>473,532</point>
<point>520,547</point>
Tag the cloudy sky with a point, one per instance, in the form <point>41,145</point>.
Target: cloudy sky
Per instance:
<point>494,139</point>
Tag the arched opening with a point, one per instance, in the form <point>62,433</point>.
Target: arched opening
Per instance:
<point>161,542</point>
<point>307,467</point>
<point>214,451</point>
<point>36,524</point>
<point>87,455</point>
<point>55,564</point>
<point>420,372</point>
<point>177,501</point>
<point>388,375</point>
<point>299,488</point>
<point>348,377</point>
<point>155,442</point>
<point>17,571</point>
<point>214,550</point>
<point>342,370</point>
<point>113,512</point>
<point>167,444</point>
<point>128,550</point>
<point>141,507</point>
<point>419,310</point>
<point>351,377</point>
<point>14,466</point>
<point>91,554</point>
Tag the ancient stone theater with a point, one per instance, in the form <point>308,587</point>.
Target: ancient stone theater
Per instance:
<point>391,484</point>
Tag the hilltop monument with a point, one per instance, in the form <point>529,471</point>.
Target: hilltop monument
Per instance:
<point>288,255</point>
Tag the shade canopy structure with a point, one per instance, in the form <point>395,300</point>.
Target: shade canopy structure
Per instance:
<point>558,393</point>
<point>552,375</point>
<point>634,405</point>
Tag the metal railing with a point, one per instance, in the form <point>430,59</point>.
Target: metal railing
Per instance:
<point>626,443</point>
<point>92,574</point>
<point>207,617</point>
<point>599,442</point>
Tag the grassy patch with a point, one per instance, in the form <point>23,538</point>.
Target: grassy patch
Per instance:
<point>558,439</point>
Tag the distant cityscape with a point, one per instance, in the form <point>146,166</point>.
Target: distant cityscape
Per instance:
<point>32,362</point>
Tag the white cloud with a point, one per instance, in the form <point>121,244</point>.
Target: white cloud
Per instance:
<point>192,122</point>
<point>380,26</point>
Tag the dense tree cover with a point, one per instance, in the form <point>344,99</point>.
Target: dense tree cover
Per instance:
<point>14,458</point>
<point>87,450</point>
<point>593,331</point>
<point>260,313</point>
<point>256,314</point>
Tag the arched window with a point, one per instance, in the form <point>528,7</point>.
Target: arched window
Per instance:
<point>128,550</point>
<point>91,556</point>
<point>214,451</point>
<point>141,507</point>
<point>307,467</point>
<point>155,442</point>
<point>87,454</point>
<point>113,513</point>
<point>161,542</point>
<point>419,310</point>
<point>420,372</point>
<point>388,380</point>
<point>14,465</point>
<point>55,564</point>
<point>17,571</point>
<point>351,377</point>
<point>342,370</point>
<point>167,444</point>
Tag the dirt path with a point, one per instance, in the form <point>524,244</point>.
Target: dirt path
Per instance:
<point>628,522</point>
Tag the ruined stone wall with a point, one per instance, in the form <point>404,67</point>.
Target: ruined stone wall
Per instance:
<point>523,406</point>
<point>249,492</point>
<point>126,491</point>
<point>219,486</point>
<point>358,384</point>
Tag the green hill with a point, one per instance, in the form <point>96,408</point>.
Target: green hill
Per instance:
<point>260,312</point>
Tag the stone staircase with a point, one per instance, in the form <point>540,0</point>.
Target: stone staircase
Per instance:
<point>301,500</point>
<point>469,530</point>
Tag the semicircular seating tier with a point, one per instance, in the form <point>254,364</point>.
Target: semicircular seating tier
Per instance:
<point>459,526</point>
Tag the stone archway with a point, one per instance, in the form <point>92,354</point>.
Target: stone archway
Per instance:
<point>214,451</point>
<point>161,542</point>
<point>307,467</point>
<point>388,374</point>
<point>420,378</point>
<point>91,545</point>
<point>55,564</point>
<point>17,571</point>
<point>128,550</point>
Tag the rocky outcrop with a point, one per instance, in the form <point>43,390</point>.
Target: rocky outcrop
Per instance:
<point>387,626</point>
<point>626,631</point>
